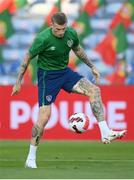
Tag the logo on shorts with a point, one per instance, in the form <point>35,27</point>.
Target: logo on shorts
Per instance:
<point>49,98</point>
<point>70,43</point>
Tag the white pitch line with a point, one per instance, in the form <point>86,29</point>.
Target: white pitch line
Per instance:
<point>58,160</point>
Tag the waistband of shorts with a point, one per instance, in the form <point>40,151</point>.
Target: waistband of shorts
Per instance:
<point>54,71</point>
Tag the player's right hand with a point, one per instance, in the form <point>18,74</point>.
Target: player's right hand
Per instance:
<point>16,89</point>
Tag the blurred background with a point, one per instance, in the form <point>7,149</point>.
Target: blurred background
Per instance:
<point>105,28</point>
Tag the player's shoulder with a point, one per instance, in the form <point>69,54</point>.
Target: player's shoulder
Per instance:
<point>44,34</point>
<point>71,30</point>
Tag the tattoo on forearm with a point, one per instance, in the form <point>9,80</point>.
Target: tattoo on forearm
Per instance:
<point>22,71</point>
<point>82,55</point>
<point>23,68</point>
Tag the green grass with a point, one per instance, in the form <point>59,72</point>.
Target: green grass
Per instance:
<point>72,160</point>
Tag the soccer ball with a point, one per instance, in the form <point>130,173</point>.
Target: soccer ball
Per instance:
<point>78,122</point>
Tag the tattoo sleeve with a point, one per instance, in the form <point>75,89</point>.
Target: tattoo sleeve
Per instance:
<point>85,87</point>
<point>80,53</point>
<point>23,68</point>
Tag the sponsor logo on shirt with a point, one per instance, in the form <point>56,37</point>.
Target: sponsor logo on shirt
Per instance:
<point>70,43</point>
<point>52,48</point>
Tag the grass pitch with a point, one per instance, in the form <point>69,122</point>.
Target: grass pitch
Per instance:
<point>68,160</point>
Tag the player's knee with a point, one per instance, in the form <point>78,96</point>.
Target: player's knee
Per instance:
<point>44,114</point>
<point>43,118</point>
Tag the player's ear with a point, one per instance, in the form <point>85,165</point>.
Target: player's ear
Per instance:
<point>51,24</point>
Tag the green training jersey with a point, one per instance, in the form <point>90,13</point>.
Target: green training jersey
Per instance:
<point>53,52</point>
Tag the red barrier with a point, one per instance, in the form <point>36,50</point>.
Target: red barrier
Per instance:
<point>18,113</point>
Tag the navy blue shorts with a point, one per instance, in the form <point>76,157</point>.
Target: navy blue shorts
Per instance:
<point>51,82</point>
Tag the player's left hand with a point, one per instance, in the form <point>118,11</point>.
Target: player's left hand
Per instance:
<point>96,74</point>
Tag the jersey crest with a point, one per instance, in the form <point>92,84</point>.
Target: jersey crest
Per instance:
<point>70,43</point>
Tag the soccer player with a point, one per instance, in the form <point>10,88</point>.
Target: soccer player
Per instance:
<point>52,46</point>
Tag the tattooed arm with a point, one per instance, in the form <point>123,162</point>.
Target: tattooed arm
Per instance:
<point>80,53</point>
<point>23,68</point>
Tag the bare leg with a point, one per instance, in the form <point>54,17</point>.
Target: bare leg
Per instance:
<point>37,132</point>
<point>38,128</point>
<point>85,87</point>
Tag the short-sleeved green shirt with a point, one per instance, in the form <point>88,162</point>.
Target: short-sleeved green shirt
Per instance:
<point>53,52</point>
